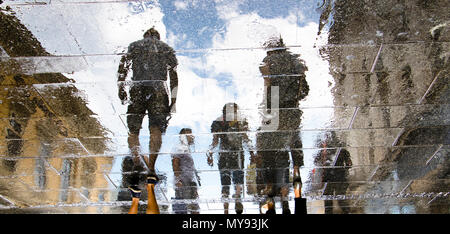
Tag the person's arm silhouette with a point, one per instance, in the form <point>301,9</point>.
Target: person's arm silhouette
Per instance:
<point>213,146</point>
<point>124,67</point>
<point>173,76</point>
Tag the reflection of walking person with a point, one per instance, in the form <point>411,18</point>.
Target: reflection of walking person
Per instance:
<point>151,60</point>
<point>286,71</point>
<point>229,131</point>
<point>185,175</point>
<point>337,163</point>
<point>336,181</point>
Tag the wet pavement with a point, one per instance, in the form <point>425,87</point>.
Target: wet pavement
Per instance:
<point>354,94</point>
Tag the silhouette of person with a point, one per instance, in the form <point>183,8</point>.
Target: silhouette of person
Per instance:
<point>150,60</point>
<point>285,71</point>
<point>229,134</point>
<point>337,162</point>
<point>185,174</point>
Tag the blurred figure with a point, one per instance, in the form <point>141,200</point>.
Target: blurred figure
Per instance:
<point>185,174</point>
<point>229,134</point>
<point>337,162</point>
<point>284,71</point>
<point>150,60</point>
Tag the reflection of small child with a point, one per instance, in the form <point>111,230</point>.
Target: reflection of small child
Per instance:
<point>185,174</point>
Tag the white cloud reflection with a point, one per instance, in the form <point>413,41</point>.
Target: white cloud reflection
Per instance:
<point>248,31</point>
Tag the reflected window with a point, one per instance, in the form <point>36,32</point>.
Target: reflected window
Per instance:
<point>65,179</point>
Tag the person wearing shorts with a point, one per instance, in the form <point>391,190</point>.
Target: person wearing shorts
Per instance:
<point>150,60</point>
<point>280,140</point>
<point>231,157</point>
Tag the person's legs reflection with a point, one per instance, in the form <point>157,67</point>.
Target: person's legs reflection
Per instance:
<point>239,208</point>
<point>343,204</point>
<point>194,208</point>
<point>179,207</point>
<point>329,190</point>
<point>225,194</point>
<point>133,145</point>
<point>300,203</point>
<point>268,207</point>
<point>134,206</point>
<point>282,187</point>
<point>188,191</point>
<point>238,181</point>
<point>152,204</point>
<point>225,207</point>
<point>135,194</point>
<point>135,115</point>
<point>132,175</point>
<point>133,180</point>
<point>284,199</point>
<point>158,115</point>
<point>276,166</point>
<point>225,179</point>
<point>155,145</point>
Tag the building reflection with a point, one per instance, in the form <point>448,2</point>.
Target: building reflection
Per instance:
<point>45,124</point>
<point>396,57</point>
